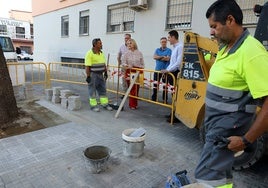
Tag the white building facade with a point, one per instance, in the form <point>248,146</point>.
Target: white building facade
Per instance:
<point>19,31</point>
<point>65,34</point>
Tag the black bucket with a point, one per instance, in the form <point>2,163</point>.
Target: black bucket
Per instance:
<point>96,158</point>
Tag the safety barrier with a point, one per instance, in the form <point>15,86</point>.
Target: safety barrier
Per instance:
<point>75,73</point>
<point>40,73</point>
<point>30,72</point>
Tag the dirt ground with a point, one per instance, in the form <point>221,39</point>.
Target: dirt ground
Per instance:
<point>32,117</point>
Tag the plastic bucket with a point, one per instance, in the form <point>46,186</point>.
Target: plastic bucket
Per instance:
<point>96,158</point>
<point>132,146</point>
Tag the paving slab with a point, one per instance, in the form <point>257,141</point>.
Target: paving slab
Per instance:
<point>53,157</point>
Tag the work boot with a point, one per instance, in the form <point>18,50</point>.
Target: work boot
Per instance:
<point>168,116</point>
<point>154,97</point>
<point>108,107</point>
<point>175,120</point>
<point>95,109</point>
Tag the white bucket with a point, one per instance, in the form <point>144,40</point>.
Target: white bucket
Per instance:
<point>132,146</point>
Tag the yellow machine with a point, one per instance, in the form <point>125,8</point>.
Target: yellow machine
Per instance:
<point>199,55</point>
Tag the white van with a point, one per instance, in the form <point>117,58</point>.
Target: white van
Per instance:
<point>8,48</point>
<point>17,73</point>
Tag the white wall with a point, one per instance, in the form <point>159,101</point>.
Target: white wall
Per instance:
<point>149,27</point>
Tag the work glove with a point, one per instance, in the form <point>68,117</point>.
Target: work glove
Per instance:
<point>88,79</point>
<point>105,75</point>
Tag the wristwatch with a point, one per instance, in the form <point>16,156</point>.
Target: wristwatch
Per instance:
<point>245,141</point>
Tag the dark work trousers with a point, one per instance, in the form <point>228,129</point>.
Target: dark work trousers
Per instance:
<point>216,161</point>
<point>157,79</point>
<point>170,79</point>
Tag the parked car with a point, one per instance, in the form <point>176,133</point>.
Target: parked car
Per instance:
<point>31,56</point>
<point>23,56</point>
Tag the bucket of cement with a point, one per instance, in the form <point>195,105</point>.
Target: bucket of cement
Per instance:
<point>96,158</point>
<point>133,142</point>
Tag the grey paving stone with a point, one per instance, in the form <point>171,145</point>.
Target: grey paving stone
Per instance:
<point>53,157</point>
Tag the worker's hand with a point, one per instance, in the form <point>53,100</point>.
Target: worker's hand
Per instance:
<point>88,79</point>
<point>236,143</point>
<point>105,75</point>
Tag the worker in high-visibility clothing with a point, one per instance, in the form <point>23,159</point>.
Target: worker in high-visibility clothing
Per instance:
<point>96,72</point>
<point>237,82</point>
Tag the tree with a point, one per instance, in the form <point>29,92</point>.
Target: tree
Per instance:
<point>8,105</point>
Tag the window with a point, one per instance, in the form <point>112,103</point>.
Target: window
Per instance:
<point>249,17</point>
<point>179,14</point>
<point>84,23</point>
<point>65,26</point>
<point>20,32</point>
<point>120,18</point>
<point>6,44</point>
<point>3,29</point>
<point>31,31</point>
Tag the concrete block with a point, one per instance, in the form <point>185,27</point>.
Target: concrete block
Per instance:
<point>74,102</point>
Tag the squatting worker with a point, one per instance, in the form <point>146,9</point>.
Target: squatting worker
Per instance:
<point>96,76</point>
<point>238,79</point>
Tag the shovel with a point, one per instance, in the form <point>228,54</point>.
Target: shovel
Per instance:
<point>115,105</point>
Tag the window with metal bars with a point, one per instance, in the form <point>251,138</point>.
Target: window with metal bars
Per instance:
<point>20,32</point>
<point>249,17</point>
<point>179,14</point>
<point>84,23</point>
<point>120,18</point>
<point>65,26</point>
<point>3,30</point>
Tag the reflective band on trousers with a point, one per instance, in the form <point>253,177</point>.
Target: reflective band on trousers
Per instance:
<point>221,105</point>
<point>224,92</point>
<point>229,100</point>
<point>229,107</point>
<point>230,185</point>
<point>104,100</point>
<point>93,102</point>
<point>222,183</point>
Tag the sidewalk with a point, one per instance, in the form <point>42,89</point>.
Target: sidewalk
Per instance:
<point>53,157</point>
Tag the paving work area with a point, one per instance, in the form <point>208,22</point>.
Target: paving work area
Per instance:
<point>53,157</point>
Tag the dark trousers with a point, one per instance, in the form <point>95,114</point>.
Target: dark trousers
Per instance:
<point>170,79</point>
<point>158,77</point>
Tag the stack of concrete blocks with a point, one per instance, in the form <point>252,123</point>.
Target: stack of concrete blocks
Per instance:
<point>28,90</point>
<point>74,102</point>
<point>56,94</point>
<point>49,93</point>
<point>64,94</point>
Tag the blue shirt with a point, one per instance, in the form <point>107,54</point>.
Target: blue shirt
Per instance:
<point>159,64</point>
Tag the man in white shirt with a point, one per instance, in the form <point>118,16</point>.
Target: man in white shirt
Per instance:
<point>176,55</point>
<point>175,61</point>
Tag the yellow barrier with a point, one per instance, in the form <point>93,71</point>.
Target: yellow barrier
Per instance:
<point>32,72</point>
<point>75,73</point>
<point>40,73</point>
